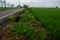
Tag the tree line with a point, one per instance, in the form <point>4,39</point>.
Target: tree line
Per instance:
<point>3,3</point>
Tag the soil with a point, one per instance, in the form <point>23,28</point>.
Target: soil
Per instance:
<point>4,35</point>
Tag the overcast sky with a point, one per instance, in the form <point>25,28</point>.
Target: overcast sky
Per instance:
<point>36,3</point>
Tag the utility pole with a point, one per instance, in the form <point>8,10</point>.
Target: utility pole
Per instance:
<point>5,3</point>
<point>1,4</point>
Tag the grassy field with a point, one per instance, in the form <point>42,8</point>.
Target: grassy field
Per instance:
<point>50,19</point>
<point>2,9</point>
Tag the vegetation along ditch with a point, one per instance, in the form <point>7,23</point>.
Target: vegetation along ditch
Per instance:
<point>33,24</point>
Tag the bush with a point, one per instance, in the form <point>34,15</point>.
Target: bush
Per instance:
<point>22,28</point>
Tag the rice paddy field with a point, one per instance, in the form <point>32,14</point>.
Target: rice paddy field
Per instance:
<point>50,19</point>
<point>2,9</point>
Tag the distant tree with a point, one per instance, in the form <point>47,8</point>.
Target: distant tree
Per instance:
<point>5,3</point>
<point>1,3</point>
<point>18,6</point>
<point>56,6</point>
<point>25,6</point>
<point>8,4</point>
<point>12,5</point>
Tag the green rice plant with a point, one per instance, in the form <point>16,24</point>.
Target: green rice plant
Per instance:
<point>8,8</point>
<point>50,19</point>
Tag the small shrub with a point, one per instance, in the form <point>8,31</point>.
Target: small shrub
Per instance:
<point>22,28</point>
